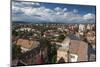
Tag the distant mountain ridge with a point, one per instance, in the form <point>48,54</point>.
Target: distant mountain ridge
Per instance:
<point>23,22</point>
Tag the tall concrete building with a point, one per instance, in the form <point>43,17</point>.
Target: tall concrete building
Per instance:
<point>72,51</point>
<point>62,51</point>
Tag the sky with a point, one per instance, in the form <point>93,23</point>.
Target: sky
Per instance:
<point>52,12</point>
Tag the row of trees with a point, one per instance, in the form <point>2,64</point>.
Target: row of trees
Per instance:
<point>52,50</point>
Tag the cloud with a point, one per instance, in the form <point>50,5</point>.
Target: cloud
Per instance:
<point>58,9</point>
<point>65,9</point>
<point>34,12</point>
<point>89,16</point>
<point>25,4</point>
<point>75,11</point>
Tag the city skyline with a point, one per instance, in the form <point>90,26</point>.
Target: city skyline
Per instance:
<point>52,12</point>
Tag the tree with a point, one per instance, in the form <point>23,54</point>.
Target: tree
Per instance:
<point>52,53</point>
<point>16,51</point>
<point>52,50</point>
<point>61,37</point>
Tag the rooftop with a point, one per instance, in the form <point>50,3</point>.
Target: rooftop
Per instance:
<point>29,44</point>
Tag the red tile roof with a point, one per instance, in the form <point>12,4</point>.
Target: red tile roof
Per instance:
<point>27,43</point>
